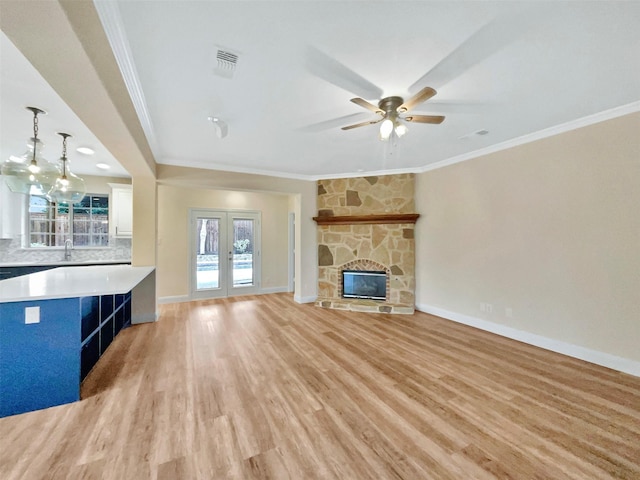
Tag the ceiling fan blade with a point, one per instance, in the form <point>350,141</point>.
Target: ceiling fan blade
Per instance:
<point>367,105</point>
<point>425,119</point>
<point>363,124</point>
<point>422,96</point>
<point>503,30</point>
<point>331,70</point>
<point>332,123</point>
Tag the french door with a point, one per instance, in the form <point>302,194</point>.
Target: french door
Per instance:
<point>225,253</point>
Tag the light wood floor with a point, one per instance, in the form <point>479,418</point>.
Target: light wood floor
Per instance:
<point>260,387</point>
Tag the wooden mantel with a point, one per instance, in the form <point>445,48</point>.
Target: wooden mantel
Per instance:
<point>367,219</point>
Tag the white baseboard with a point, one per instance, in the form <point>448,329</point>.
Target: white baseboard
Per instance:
<point>309,299</point>
<point>624,365</point>
<point>187,298</point>
<point>144,318</point>
<point>174,299</point>
<point>274,290</point>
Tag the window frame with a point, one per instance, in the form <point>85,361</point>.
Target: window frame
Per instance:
<point>60,224</point>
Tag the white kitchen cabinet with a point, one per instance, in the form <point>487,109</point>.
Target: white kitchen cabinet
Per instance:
<point>12,211</point>
<point>121,210</point>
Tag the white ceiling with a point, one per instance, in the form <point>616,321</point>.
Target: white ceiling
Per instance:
<point>21,86</point>
<point>511,68</point>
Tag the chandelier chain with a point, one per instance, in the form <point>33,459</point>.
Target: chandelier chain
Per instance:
<point>35,135</point>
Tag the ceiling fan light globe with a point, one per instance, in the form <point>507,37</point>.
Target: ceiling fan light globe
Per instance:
<point>385,129</point>
<point>401,129</point>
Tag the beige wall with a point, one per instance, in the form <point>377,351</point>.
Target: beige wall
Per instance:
<point>143,246</point>
<point>173,233</point>
<point>550,230</point>
<point>303,203</point>
<point>101,184</point>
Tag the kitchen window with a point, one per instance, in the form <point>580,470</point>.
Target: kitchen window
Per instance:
<point>85,223</point>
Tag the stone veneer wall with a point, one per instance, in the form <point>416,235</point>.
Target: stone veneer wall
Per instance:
<point>389,245</point>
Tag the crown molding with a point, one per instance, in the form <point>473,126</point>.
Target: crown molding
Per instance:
<point>539,135</point>
<point>111,20</point>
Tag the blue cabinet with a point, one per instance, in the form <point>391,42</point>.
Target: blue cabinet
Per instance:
<point>102,319</point>
<point>39,362</point>
<point>42,364</point>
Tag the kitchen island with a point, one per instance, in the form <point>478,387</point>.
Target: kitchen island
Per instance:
<point>55,325</point>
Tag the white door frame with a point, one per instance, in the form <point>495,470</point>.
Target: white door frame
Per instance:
<point>292,251</point>
<point>225,249</point>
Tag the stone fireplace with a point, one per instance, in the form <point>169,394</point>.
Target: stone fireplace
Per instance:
<point>367,224</point>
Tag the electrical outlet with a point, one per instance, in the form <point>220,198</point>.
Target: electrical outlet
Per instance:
<point>489,308</point>
<point>483,307</point>
<point>31,315</point>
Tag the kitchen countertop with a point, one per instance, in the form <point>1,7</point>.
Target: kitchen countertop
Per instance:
<point>62,263</point>
<point>70,282</point>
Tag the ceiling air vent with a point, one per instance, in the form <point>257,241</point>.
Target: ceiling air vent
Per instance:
<point>226,65</point>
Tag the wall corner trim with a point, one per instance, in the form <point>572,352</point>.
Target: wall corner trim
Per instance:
<point>309,299</point>
<point>620,364</point>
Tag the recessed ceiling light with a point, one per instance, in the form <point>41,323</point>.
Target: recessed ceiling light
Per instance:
<point>103,166</point>
<point>85,150</point>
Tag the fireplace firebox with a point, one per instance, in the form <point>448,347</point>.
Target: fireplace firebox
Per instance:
<point>364,284</point>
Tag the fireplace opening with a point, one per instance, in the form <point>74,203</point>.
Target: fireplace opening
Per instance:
<point>364,284</point>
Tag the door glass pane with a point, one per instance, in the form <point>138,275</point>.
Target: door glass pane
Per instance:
<point>208,253</point>
<point>242,249</point>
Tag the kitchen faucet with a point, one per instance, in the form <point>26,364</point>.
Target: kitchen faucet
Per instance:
<point>68,246</point>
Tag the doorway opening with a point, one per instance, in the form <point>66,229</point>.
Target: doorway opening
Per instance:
<point>225,253</point>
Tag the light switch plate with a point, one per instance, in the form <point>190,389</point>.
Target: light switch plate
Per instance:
<point>31,315</point>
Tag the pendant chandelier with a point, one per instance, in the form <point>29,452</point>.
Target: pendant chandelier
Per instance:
<point>33,174</point>
<point>68,187</point>
<point>30,173</point>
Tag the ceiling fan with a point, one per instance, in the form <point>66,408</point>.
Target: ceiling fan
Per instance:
<point>390,110</point>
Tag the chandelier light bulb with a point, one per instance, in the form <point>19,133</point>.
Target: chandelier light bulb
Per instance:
<point>68,188</point>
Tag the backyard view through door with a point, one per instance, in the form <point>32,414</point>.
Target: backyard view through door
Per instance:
<point>225,253</point>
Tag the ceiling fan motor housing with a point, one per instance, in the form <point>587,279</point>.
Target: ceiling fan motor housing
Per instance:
<point>389,105</point>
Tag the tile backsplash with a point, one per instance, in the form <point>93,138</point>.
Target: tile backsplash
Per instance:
<point>11,251</point>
